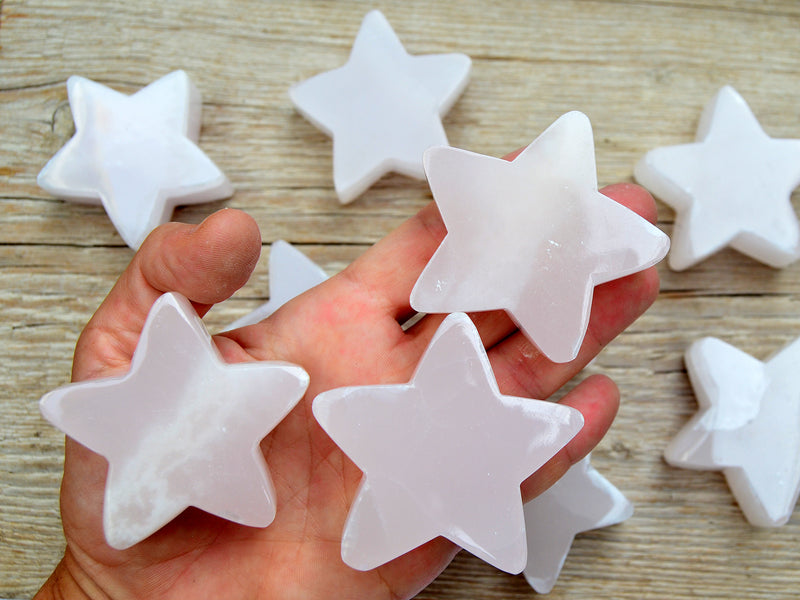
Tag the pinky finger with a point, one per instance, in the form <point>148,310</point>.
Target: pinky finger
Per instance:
<point>597,398</point>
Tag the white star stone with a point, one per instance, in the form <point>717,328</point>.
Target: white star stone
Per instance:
<point>290,274</point>
<point>182,428</point>
<point>383,108</point>
<point>731,187</point>
<point>135,154</point>
<point>532,236</point>
<point>443,455</point>
<point>580,501</point>
<point>748,426</point>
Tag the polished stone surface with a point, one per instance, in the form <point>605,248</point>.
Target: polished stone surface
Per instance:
<point>580,501</point>
<point>748,426</point>
<point>383,108</point>
<point>731,187</point>
<point>442,455</point>
<point>136,155</point>
<point>182,428</point>
<point>532,236</point>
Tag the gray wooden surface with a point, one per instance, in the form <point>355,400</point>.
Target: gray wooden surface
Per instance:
<point>642,71</point>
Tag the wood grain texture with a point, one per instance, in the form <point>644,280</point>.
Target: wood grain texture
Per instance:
<point>641,70</point>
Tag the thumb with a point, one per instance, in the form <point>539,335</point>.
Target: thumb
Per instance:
<point>206,263</point>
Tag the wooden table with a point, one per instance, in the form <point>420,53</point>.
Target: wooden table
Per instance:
<point>642,71</point>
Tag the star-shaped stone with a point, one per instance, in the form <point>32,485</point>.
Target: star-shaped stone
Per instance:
<point>383,108</point>
<point>290,274</point>
<point>580,501</point>
<point>182,428</point>
<point>731,187</point>
<point>748,426</point>
<point>443,455</point>
<point>137,155</point>
<point>532,236</point>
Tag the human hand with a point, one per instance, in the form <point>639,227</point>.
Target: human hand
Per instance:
<point>344,332</point>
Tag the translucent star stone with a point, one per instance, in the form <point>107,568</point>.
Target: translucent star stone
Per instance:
<point>580,501</point>
<point>731,187</point>
<point>290,274</point>
<point>383,108</point>
<point>748,426</point>
<point>182,428</point>
<point>442,455</point>
<point>137,155</point>
<point>532,236</point>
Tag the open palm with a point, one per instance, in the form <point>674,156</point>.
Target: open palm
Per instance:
<point>346,331</point>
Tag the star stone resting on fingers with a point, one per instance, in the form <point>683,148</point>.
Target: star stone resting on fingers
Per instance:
<point>346,331</point>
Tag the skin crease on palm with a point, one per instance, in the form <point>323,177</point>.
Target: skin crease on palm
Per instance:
<point>346,331</point>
